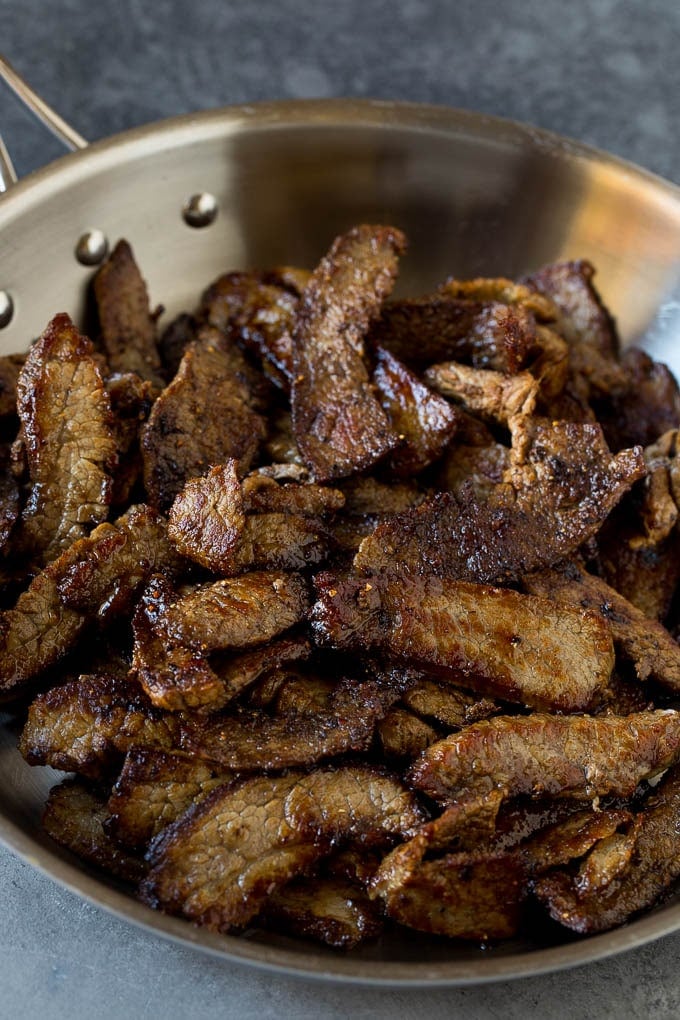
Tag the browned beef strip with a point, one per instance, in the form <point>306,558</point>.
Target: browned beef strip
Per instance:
<point>88,725</point>
<point>449,706</point>
<point>645,407</point>
<point>97,577</point>
<point>475,895</point>
<point>566,756</point>
<point>207,518</point>
<point>67,434</point>
<point>257,315</point>
<point>205,416</point>
<point>9,496</point>
<point>221,860</point>
<point>263,494</point>
<point>649,872</point>
<point>645,642</point>
<point>237,612</point>
<point>403,735</point>
<point>174,341</point>
<point>239,672</point>
<point>550,505</point>
<point>75,817</point>
<point>174,678</point>
<point>441,327</point>
<point>572,838</point>
<point>154,788</point>
<point>494,640</point>
<point>339,425</point>
<point>131,400</point>
<point>494,396</point>
<point>10,367</point>
<point>583,315</point>
<point>252,740</point>
<point>334,912</point>
<point>127,326</point>
<point>424,421</point>
<point>500,288</point>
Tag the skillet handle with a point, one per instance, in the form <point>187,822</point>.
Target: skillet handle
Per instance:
<point>45,114</point>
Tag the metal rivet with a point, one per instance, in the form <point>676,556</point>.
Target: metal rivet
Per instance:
<point>92,248</point>
<point>200,210</point>
<point>6,309</point>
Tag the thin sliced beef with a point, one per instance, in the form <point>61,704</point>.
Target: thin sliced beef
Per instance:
<point>96,578</point>
<point>552,503</point>
<point>579,901</point>
<point>174,341</point>
<point>493,640</point>
<point>75,817</point>
<point>131,400</point>
<point>447,705</point>
<point>205,416</point>
<point>647,405</point>
<point>251,740</point>
<point>441,327</point>
<point>10,367</point>
<point>263,494</point>
<point>207,518</point>
<point>495,396</point>
<point>127,327</point>
<point>339,425</point>
<point>237,612</point>
<point>653,652</point>
<point>539,754</point>
<point>153,789</point>
<point>88,725</point>
<point>334,912</point>
<point>424,421</point>
<point>403,735</point>
<point>221,860</point>
<point>67,434</point>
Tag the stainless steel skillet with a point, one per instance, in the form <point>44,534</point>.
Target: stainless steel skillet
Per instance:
<point>476,195</point>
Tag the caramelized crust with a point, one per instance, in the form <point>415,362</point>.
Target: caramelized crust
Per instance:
<point>339,425</point>
<point>221,860</point>
<point>69,466</point>
<point>566,756</point>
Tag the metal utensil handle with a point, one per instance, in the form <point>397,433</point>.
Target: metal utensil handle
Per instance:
<point>45,114</point>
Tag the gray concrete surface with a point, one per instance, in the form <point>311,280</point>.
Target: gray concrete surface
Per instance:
<point>602,71</point>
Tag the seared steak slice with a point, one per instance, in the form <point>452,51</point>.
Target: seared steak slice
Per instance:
<point>539,754</point>
<point>174,678</point>
<point>484,333</point>
<point>263,494</point>
<point>495,396</point>
<point>339,425</point>
<point>127,326</point>
<point>259,316</point>
<point>75,817</point>
<point>335,912</point>
<point>447,705</point>
<point>10,367</point>
<point>237,612</point>
<point>644,642</point>
<point>583,317</point>
<point>131,399</point>
<point>239,672</point>
<point>494,640</point>
<point>103,574</point>
<point>253,741</point>
<point>219,862</point>
<point>97,577</point>
<point>67,434</point>
<point>572,838</point>
<point>88,725</point>
<point>403,735</point>
<point>154,788</point>
<point>174,341</point>
<point>552,503</point>
<point>654,865</point>
<point>647,405</point>
<point>424,421</point>
<point>205,416</point>
<point>483,891</point>
<point>207,518</point>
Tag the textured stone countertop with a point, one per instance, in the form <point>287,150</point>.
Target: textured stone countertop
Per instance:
<point>602,71</point>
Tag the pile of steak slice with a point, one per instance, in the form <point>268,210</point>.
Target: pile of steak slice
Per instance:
<point>347,611</point>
